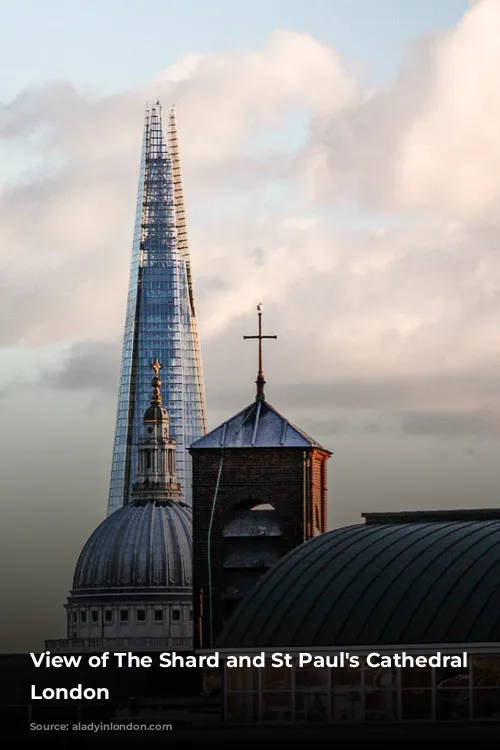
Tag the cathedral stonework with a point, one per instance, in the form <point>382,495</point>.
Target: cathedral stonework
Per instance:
<point>133,581</point>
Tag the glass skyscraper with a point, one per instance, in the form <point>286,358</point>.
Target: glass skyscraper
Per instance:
<point>161,316</point>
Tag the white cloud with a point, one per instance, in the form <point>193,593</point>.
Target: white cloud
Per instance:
<point>397,299</point>
<point>449,157</point>
<point>427,142</point>
<point>71,223</point>
<point>227,97</point>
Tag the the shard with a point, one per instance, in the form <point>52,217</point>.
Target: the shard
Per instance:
<point>161,315</point>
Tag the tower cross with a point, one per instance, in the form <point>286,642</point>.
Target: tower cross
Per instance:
<point>156,382</point>
<point>260,382</point>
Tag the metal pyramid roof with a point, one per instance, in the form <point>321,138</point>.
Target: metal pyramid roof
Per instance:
<point>259,425</point>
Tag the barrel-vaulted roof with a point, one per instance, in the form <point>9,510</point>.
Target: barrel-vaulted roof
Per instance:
<point>383,583</point>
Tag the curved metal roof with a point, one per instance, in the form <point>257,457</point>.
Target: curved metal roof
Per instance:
<point>138,547</point>
<point>378,584</point>
<point>156,413</point>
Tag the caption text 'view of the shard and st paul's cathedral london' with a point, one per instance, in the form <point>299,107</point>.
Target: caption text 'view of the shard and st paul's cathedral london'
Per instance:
<point>160,317</point>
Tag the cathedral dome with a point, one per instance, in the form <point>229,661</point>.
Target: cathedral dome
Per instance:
<point>155,413</point>
<point>383,583</point>
<point>140,546</point>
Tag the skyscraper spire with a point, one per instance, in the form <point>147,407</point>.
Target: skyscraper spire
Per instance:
<point>161,315</point>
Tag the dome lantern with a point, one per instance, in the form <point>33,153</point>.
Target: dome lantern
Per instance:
<point>156,480</point>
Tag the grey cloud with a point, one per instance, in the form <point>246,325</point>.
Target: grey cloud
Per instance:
<point>420,405</point>
<point>88,366</point>
<point>35,108</point>
<point>210,284</point>
<point>425,405</point>
<point>388,394</point>
<point>345,424</point>
<point>479,423</point>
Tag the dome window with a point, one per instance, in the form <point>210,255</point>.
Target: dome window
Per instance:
<point>83,616</point>
<point>94,615</point>
<point>158,615</point>
<point>141,615</point>
<point>108,615</point>
<point>176,615</point>
<point>124,615</point>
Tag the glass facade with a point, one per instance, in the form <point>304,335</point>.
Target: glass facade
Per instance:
<point>322,695</point>
<point>160,317</point>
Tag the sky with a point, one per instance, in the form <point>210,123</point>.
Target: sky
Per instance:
<point>341,165</point>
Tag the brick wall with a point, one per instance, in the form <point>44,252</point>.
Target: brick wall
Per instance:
<point>291,479</point>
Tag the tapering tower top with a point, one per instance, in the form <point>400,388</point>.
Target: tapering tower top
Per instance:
<point>260,382</point>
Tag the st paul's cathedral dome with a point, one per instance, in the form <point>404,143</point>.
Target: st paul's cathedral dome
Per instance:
<point>133,579</point>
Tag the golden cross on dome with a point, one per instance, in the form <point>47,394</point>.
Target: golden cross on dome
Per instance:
<point>156,366</point>
<point>156,383</point>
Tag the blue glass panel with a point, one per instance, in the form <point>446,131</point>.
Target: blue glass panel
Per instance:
<point>160,322</point>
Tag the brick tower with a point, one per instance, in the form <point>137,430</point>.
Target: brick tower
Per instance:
<point>259,490</point>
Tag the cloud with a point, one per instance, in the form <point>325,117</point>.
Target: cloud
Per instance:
<point>427,142</point>
<point>448,403</point>
<point>470,423</point>
<point>397,302</point>
<point>88,365</point>
<point>393,297</point>
<point>450,157</point>
<point>236,94</point>
<point>70,219</point>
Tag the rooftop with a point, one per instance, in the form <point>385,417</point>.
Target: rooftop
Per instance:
<point>378,584</point>
<point>259,425</point>
<point>433,516</point>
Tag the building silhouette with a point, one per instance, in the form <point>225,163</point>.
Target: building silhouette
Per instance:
<point>160,317</point>
<point>405,608</point>
<point>259,491</point>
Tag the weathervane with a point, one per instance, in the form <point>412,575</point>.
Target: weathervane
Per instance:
<point>260,382</point>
